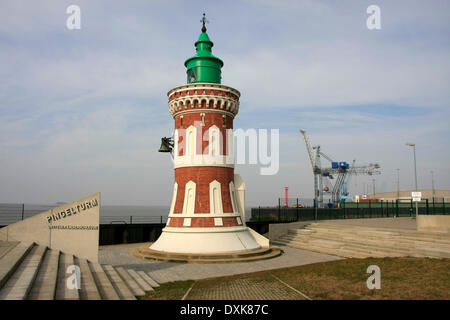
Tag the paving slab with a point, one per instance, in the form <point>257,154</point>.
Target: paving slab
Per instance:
<point>163,272</point>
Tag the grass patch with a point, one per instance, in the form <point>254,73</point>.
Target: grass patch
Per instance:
<point>169,291</point>
<point>401,278</point>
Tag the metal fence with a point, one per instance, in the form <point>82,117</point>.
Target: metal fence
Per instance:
<point>299,210</point>
<point>11,213</point>
<point>133,219</point>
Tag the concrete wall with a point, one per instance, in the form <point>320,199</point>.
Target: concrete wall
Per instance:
<point>260,239</point>
<point>71,228</point>
<point>277,230</point>
<point>433,223</point>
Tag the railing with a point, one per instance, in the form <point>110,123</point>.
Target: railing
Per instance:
<point>296,211</point>
<point>133,219</point>
<point>11,213</point>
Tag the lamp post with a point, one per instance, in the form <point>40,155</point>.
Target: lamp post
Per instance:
<point>432,183</point>
<point>415,170</point>
<point>398,183</point>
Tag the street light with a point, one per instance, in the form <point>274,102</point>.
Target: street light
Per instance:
<point>432,183</point>
<point>415,169</point>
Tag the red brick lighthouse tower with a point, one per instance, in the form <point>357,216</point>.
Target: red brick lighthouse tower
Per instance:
<point>207,214</point>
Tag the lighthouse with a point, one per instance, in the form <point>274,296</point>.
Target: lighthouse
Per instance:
<point>207,212</point>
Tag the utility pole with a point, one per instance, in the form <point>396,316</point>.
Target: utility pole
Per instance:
<point>415,171</point>
<point>398,184</point>
<point>432,182</point>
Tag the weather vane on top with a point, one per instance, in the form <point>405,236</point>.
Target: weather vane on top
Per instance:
<point>204,21</point>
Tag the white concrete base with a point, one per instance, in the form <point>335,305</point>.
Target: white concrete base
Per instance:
<point>205,240</point>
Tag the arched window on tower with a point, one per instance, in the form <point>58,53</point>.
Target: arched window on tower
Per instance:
<point>190,144</point>
<point>189,198</point>
<point>214,141</point>
<point>215,198</point>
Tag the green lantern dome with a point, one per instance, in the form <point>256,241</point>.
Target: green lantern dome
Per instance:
<point>204,66</point>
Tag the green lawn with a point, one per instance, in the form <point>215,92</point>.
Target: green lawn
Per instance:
<point>401,278</point>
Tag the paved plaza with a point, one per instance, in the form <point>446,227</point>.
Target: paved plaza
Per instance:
<point>118,255</point>
<point>174,271</point>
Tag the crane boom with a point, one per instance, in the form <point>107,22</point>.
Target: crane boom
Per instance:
<point>309,149</point>
<point>339,172</point>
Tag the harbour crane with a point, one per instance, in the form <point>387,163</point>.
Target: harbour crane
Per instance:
<point>338,172</point>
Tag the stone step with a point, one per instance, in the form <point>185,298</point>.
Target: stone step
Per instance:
<point>6,246</point>
<point>380,250</point>
<point>395,244</point>
<point>44,286</point>
<point>147,253</point>
<point>395,241</point>
<point>140,281</point>
<point>121,288</point>
<point>435,252</point>
<point>89,290</point>
<point>326,243</point>
<point>104,285</point>
<point>360,249</point>
<point>392,244</point>
<point>11,260</point>
<point>427,236</point>
<point>378,235</point>
<point>335,252</point>
<point>346,251</point>
<point>149,280</point>
<point>19,284</point>
<point>63,292</point>
<point>369,247</point>
<point>137,291</point>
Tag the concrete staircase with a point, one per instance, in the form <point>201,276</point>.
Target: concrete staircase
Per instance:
<point>362,242</point>
<point>35,272</point>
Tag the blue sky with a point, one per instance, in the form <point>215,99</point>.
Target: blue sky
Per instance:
<point>82,111</point>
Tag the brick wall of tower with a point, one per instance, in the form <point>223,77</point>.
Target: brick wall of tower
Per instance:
<point>219,105</point>
<point>203,176</point>
<point>210,119</point>
<point>204,222</point>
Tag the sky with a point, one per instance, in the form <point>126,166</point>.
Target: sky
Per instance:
<point>83,111</point>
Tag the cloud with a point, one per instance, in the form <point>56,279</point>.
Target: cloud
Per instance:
<point>83,111</point>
